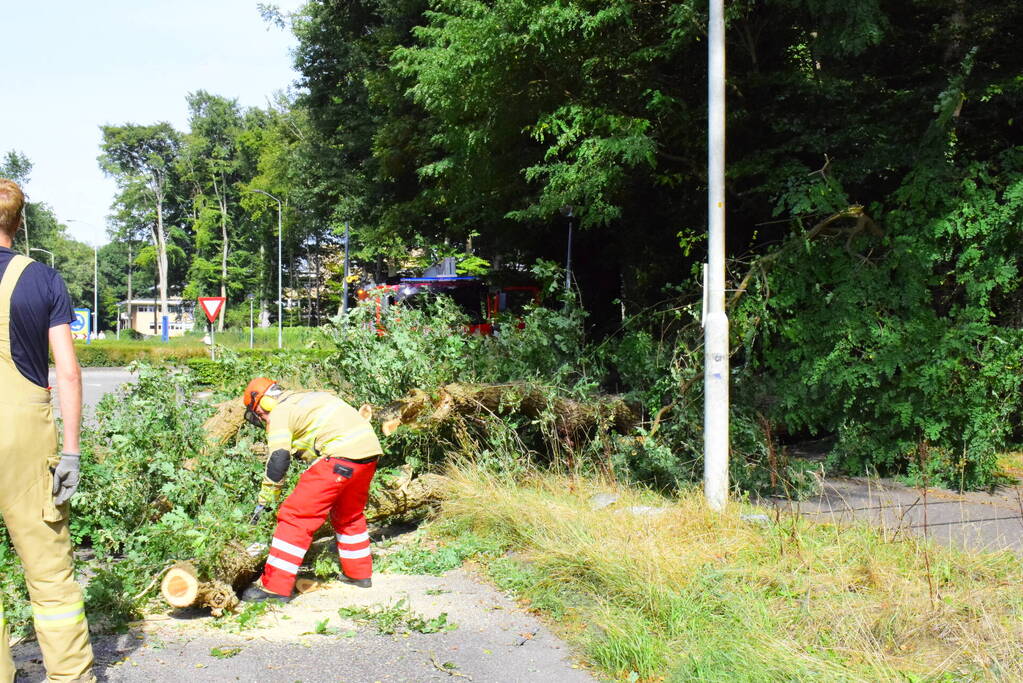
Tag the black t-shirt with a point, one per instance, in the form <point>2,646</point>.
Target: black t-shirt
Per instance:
<point>40,301</point>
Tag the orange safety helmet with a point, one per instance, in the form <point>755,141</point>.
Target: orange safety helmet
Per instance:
<point>254,393</point>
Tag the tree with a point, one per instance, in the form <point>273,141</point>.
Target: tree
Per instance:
<point>141,160</point>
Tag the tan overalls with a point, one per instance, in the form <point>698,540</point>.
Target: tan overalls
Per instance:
<point>39,530</point>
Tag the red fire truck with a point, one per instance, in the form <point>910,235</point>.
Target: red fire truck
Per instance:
<point>481,302</point>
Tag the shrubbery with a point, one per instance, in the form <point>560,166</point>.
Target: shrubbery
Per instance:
<point>907,346</point>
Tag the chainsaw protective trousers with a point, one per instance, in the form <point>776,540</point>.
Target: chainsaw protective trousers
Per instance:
<point>333,486</point>
<point>37,527</point>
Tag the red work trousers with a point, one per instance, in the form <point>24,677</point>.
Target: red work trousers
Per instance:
<point>331,485</point>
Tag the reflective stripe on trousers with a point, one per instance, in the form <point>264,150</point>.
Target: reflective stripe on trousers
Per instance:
<point>322,489</point>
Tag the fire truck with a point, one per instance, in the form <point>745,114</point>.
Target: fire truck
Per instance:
<point>482,302</point>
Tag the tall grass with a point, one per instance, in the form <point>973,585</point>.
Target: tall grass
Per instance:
<point>689,595</point>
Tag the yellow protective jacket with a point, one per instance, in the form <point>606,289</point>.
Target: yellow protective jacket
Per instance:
<point>312,425</point>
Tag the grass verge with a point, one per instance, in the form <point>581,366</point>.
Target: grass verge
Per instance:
<point>683,594</point>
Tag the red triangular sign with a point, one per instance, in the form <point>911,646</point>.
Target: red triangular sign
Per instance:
<point>211,306</point>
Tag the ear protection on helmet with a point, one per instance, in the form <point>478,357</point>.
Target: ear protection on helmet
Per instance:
<point>268,403</point>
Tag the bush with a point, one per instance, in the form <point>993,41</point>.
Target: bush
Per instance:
<point>906,347</point>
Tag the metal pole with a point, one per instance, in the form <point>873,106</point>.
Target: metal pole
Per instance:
<point>568,258</point>
<point>280,264</point>
<point>251,333</point>
<point>95,290</point>
<point>24,223</point>
<point>344,286</point>
<point>715,416</point>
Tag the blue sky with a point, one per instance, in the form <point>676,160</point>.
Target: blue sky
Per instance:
<point>70,67</point>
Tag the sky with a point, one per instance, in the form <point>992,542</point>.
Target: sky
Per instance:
<point>69,67</point>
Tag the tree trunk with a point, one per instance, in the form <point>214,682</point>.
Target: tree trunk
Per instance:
<point>161,256</point>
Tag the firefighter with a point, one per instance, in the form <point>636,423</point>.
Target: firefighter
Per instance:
<point>316,427</point>
<point>35,482</point>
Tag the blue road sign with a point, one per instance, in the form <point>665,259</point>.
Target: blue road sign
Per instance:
<point>82,323</point>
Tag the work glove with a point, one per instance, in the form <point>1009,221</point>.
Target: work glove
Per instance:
<point>269,494</point>
<point>66,476</point>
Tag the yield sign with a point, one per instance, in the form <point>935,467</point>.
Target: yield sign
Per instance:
<point>212,305</point>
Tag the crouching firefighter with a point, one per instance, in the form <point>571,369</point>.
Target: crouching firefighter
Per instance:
<point>317,427</point>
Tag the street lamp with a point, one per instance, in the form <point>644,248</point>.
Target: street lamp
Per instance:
<point>716,370</point>
<point>95,291</point>
<point>344,286</point>
<point>45,251</point>
<point>280,262</point>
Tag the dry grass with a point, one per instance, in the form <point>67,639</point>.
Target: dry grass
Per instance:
<point>691,595</point>
<point>1011,465</point>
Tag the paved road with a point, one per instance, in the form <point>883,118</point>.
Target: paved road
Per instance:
<point>96,383</point>
<point>495,641</point>
<point>975,520</point>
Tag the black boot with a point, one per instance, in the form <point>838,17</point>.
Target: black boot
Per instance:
<point>255,593</point>
<point>361,583</point>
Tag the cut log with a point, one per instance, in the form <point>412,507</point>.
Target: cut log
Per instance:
<point>223,425</point>
<point>183,586</point>
<point>180,585</point>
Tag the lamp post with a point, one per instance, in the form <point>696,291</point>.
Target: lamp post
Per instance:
<point>567,212</point>
<point>95,291</point>
<point>715,407</point>
<point>344,285</point>
<point>280,262</point>
<point>45,251</point>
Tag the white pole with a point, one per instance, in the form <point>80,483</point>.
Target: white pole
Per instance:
<point>344,285</point>
<point>95,290</point>
<point>715,417</point>
<point>568,256</point>
<point>280,264</point>
<point>251,332</point>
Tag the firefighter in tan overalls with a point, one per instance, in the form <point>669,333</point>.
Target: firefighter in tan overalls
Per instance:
<point>35,482</point>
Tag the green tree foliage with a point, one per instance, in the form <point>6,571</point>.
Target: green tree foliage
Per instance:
<point>141,159</point>
<point>871,185</point>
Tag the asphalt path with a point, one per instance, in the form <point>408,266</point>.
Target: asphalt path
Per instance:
<point>491,639</point>
<point>96,383</point>
<point>974,520</point>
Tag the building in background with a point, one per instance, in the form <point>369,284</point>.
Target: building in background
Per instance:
<point>142,316</point>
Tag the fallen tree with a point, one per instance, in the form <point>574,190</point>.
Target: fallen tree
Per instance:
<point>420,410</point>
<point>570,417</point>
